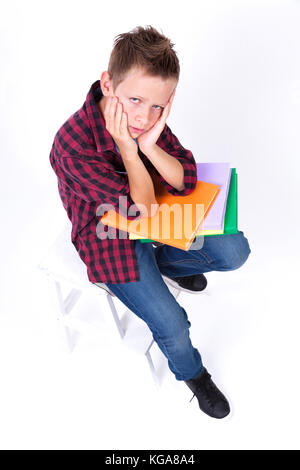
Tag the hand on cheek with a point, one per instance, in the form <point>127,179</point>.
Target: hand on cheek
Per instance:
<point>148,139</point>
<point>117,126</point>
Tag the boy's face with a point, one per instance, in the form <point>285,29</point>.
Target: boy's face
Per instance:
<point>143,98</point>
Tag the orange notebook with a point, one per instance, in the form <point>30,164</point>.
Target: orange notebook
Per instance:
<point>177,219</point>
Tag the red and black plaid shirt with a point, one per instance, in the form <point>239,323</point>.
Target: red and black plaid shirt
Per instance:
<point>91,172</point>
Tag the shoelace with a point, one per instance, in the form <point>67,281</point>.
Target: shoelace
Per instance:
<point>198,386</point>
<point>209,386</point>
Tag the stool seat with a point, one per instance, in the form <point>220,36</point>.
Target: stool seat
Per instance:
<point>63,262</point>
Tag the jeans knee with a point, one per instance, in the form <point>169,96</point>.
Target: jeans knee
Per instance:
<point>176,337</point>
<point>241,259</point>
<point>238,255</point>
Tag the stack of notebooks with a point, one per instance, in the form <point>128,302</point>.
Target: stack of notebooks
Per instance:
<point>211,209</point>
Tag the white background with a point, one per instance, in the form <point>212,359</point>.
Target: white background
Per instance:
<point>238,100</point>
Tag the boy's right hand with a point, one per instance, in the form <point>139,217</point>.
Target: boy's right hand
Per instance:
<point>116,124</point>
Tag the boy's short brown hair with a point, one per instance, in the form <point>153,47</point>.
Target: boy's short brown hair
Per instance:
<point>146,48</point>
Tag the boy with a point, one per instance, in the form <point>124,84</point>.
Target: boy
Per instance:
<point>108,153</point>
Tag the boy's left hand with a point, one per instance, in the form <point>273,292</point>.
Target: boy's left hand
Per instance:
<point>148,139</point>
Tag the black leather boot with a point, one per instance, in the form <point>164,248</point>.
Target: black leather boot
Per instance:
<point>211,400</point>
<point>194,283</point>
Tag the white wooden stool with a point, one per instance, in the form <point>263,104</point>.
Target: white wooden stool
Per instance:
<point>62,264</point>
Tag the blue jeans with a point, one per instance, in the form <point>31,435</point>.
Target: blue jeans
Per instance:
<point>151,300</point>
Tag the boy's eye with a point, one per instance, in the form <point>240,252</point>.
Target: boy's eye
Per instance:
<point>158,107</point>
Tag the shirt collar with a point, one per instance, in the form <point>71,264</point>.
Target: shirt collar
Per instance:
<point>103,139</point>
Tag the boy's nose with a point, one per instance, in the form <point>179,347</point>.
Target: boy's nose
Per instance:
<point>143,119</point>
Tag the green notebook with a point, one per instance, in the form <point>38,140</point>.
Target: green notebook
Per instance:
<point>231,214</point>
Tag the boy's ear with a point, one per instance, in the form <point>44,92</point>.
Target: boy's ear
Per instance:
<point>106,84</point>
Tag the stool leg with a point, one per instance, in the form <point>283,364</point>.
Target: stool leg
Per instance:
<point>121,331</point>
<point>151,365</point>
<point>64,309</point>
<point>115,315</point>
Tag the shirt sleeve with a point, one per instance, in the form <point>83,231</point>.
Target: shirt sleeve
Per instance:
<point>170,144</point>
<point>88,180</point>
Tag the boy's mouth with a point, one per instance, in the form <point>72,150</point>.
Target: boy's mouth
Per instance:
<point>134,129</point>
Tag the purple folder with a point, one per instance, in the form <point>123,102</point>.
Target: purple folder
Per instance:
<point>216,173</point>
